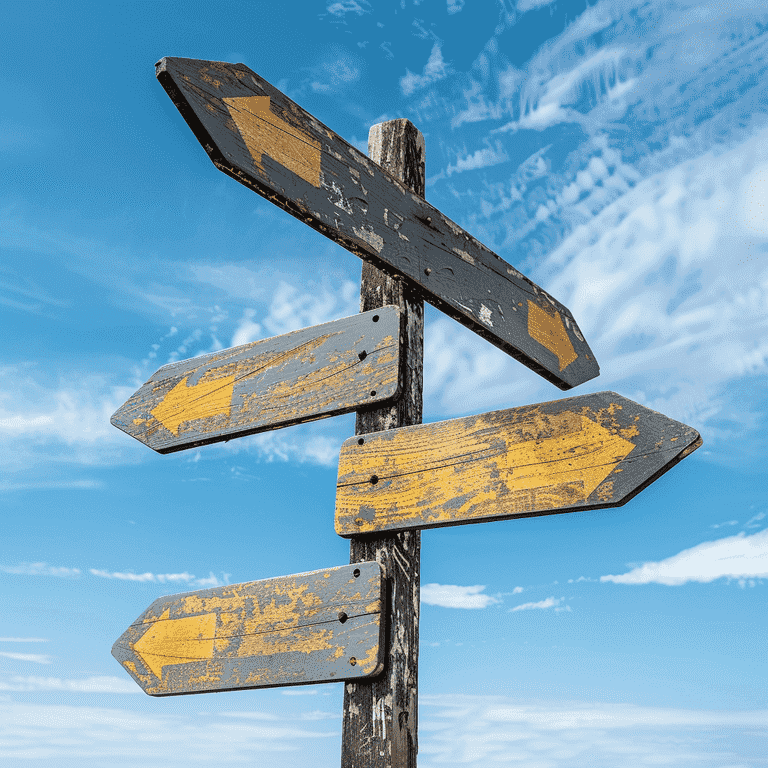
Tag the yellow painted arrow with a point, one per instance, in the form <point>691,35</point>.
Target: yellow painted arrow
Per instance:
<point>550,332</point>
<point>264,133</point>
<point>473,468</point>
<point>205,399</point>
<point>177,641</point>
<point>586,455</point>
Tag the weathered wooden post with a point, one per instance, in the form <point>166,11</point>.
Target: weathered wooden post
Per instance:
<point>381,717</point>
<point>361,621</point>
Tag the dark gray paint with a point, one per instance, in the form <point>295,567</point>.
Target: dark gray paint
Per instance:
<point>372,214</point>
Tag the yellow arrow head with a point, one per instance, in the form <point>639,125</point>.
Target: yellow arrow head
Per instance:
<point>550,332</point>
<point>177,641</point>
<point>205,399</point>
<point>581,451</point>
<point>264,133</point>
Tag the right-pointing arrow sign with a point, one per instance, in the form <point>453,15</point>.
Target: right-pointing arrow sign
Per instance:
<point>582,452</point>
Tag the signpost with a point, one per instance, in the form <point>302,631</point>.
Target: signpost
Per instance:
<point>585,452</point>
<point>360,623</point>
<point>317,627</point>
<point>309,374</point>
<point>256,134</point>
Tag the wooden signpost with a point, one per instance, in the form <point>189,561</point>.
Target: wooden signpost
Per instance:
<point>585,452</point>
<point>317,627</point>
<point>256,134</point>
<point>309,374</point>
<point>360,623</point>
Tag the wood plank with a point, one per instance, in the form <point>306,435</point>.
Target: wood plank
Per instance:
<point>258,136</point>
<point>301,376</point>
<point>318,627</point>
<point>585,452</point>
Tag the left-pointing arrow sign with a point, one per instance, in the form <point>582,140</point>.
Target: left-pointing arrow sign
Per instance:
<point>308,374</point>
<point>323,626</point>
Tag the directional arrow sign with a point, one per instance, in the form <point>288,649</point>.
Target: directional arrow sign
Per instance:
<point>309,374</point>
<point>261,138</point>
<point>317,627</point>
<point>583,452</point>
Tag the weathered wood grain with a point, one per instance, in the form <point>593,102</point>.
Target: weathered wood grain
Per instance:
<point>309,374</point>
<point>323,626</point>
<point>380,725</point>
<point>583,452</point>
<point>261,138</point>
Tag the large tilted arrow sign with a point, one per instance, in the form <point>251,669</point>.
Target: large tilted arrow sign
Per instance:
<point>321,371</point>
<point>578,453</point>
<point>261,138</point>
<point>317,627</point>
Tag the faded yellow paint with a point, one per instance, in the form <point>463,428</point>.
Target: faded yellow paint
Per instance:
<point>301,640</point>
<point>477,467</point>
<point>231,628</point>
<point>549,331</point>
<point>264,133</point>
<point>177,641</point>
<point>205,399</point>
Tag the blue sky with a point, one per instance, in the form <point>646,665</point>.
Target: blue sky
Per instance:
<point>615,152</point>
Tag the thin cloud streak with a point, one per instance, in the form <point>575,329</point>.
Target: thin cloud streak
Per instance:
<point>453,596</point>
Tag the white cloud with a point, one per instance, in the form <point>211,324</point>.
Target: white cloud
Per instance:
<point>481,158</point>
<point>455,6</point>
<point>305,448</point>
<point>435,69</point>
<point>67,420</point>
<point>40,569</point>
<point>24,640</point>
<point>342,7</point>
<point>96,684</point>
<point>528,5</point>
<point>162,578</point>
<point>70,735</point>
<point>35,658</point>
<point>487,730</point>
<point>291,309</point>
<point>452,596</point>
<point>738,557</point>
<point>550,602</point>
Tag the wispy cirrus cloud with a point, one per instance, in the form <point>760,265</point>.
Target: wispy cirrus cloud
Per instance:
<point>122,737</point>
<point>35,658</point>
<point>435,69</point>
<point>483,730</point>
<point>41,569</point>
<point>541,605</point>
<point>453,596</point>
<point>162,578</point>
<point>742,558</point>
<point>94,684</point>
